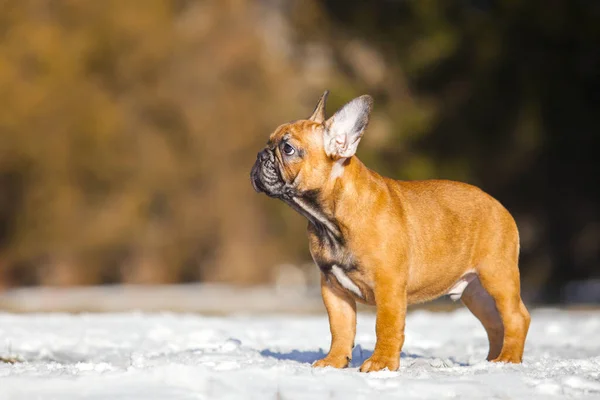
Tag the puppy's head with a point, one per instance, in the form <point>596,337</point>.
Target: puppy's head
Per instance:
<point>305,155</point>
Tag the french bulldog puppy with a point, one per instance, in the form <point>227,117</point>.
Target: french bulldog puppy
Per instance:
<point>391,243</point>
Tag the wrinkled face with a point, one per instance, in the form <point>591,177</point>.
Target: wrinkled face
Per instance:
<point>300,156</point>
<point>294,161</point>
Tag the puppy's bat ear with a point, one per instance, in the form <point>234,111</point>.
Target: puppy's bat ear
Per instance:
<point>319,114</point>
<point>345,128</point>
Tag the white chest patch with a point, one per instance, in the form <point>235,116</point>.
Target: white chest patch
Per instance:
<point>338,168</point>
<point>345,281</point>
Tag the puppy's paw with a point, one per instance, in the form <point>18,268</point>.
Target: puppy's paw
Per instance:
<point>332,361</point>
<point>377,363</point>
<point>508,358</point>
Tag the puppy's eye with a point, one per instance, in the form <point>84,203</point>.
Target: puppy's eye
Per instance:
<point>288,149</point>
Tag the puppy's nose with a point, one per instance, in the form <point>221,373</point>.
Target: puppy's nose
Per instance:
<point>262,155</point>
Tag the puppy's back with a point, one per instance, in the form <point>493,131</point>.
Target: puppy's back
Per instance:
<point>457,214</point>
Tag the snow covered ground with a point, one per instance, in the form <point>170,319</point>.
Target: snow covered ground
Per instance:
<point>187,356</point>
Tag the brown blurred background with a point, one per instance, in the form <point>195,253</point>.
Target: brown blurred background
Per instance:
<point>128,128</point>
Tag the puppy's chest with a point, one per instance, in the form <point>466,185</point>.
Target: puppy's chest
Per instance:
<point>328,251</point>
<point>339,265</point>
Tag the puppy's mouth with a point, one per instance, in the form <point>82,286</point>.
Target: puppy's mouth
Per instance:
<point>255,179</point>
<point>265,175</point>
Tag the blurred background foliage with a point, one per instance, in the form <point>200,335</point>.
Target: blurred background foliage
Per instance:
<point>128,127</point>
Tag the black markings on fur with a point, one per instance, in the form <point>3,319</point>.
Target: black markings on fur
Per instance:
<point>331,243</point>
<point>326,228</point>
<point>327,266</point>
<point>312,199</point>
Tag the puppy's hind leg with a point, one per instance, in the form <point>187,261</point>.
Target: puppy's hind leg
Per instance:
<point>500,278</point>
<point>483,306</point>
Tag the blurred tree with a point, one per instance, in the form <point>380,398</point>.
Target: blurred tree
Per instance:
<point>128,134</point>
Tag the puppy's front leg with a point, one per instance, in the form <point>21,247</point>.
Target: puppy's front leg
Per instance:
<point>341,309</point>
<point>391,302</point>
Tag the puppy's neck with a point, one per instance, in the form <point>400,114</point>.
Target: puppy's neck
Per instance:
<point>350,187</point>
<point>347,192</point>
<point>310,205</point>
